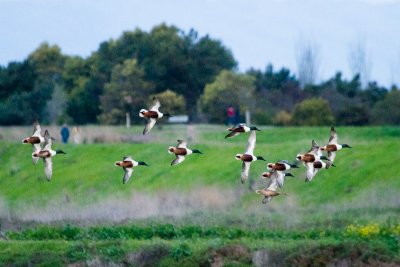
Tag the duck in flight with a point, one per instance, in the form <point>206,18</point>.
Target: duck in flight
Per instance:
<point>332,147</point>
<point>152,115</point>
<point>128,164</point>
<point>35,140</point>
<point>240,128</point>
<point>181,151</point>
<point>248,157</point>
<point>46,154</point>
<point>313,155</point>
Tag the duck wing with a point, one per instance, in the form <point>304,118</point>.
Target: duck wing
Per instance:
<point>181,144</point>
<point>280,178</point>
<point>245,171</point>
<point>36,129</point>
<point>47,141</point>
<point>231,134</point>
<point>314,148</point>
<point>310,171</point>
<point>127,175</point>
<point>251,143</point>
<point>273,186</point>
<point>150,124</point>
<point>127,158</point>
<point>48,167</point>
<point>333,139</point>
<point>331,157</point>
<point>156,105</point>
<point>177,160</point>
<point>36,148</point>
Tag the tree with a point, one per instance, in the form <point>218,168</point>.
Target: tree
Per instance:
<point>126,92</point>
<point>360,61</point>
<point>228,89</point>
<point>387,111</point>
<point>172,102</point>
<point>313,112</point>
<point>308,61</point>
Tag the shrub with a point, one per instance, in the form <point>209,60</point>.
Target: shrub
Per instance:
<point>313,112</point>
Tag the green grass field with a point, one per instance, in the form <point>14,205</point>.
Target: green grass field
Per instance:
<point>354,205</point>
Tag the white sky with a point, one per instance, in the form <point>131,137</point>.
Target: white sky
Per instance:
<point>257,31</point>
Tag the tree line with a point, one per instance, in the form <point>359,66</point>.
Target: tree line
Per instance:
<point>191,74</point>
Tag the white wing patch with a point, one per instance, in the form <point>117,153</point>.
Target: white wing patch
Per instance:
<point>156,105</point>
<point>150,124</point>
<point>310,171</point>
<point>177,160</point>
<point>48,167</point>
<point>181,144</point>
<point>245,171</point>
<point>251,143</point>
<point>127,175</point>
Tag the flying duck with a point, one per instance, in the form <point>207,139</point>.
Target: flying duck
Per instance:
<point>36,139</point>
<point>181,151</point>
<point>152,115</point>
<point>275,176</point>
<point>269,192</point>
<point>128,164</point>
<point>332,147</point>
<point>248,157</point>
<point>282,165</point>
<point>46,154</point>
<point>240,128</point>
<point>314,154</point>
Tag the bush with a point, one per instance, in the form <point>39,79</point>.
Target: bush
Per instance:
<point>282,118</point>
<point>181,251</point>
<point>313,112</point>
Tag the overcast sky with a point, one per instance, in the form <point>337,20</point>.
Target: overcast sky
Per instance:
<point>257,31</point>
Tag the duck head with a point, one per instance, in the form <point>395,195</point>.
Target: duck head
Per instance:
<point>253,128</point>
<point>196,151</point>
<point>260,158</point>
<point>346,146</point>
<point>59,151</point>
<point>142,163</point>
<point>167,115</point>
<point>289,174</point>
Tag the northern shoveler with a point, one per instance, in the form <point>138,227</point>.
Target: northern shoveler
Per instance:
<point>332,147</point>
<point>240,128</point>
<point>181,151</point>
<point>152,115</point>
<point>46,154</point>
<point>36,140</point>
<point>128,164</point>
<point>248,157</point>
<point>314,154</point>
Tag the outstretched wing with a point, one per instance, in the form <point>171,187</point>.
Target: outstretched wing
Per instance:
<point>314,148</point>
<point>273,186</point>
<point>251,143</point>
<point>127,175</point>
<point>333,139</point>
<point>36,148</point>
<point>127,158</point>
<point>156,105</point>
<point>310,171</point>
<point>245,172</point>
<point>181,144</point>
<point>48,167</point>
<point>331,157</point>
<point>280,178</point>
<point>36,129</point>
<point>150,124</point>
<point>47,141</point>
<point>177,160</point>
<point>232,134</point>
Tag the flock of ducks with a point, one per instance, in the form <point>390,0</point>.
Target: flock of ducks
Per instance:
<point>275,174</point>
